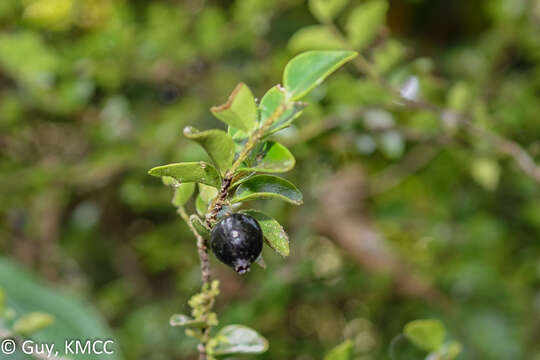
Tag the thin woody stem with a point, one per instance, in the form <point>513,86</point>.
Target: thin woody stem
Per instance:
<point>253,140</point>
<point>202,249</point>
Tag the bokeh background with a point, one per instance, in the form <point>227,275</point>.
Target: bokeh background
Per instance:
<point>406,215</point>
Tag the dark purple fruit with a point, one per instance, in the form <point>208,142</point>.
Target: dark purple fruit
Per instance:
<point>237,241</point>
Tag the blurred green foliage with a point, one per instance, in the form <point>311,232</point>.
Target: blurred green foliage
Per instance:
<point>93,93</point>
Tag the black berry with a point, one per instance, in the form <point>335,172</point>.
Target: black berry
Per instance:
<point>237,241</point>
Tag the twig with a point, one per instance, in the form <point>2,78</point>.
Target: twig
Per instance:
<point>215,208</point>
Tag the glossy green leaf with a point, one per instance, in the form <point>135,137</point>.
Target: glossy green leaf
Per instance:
<point>365,21</point>
<point>199,225</point>
<point>315,37</point>
<point>270,157</point>
<point>426,334</point>
<point>238,339</point>
<point>184,320</point>
<point>74,318</point>
<point>270,103</point>
<point>199,171</point>
<point>341,352</point>
<point>240,110</point>
<point>267,187</point>
<point>273,232</point>
<point>217,143</point>
<point>201,206</point>
<point>326,10</point>
<point>309,69</point>
<point>182,193</point>
<point>207,193</point>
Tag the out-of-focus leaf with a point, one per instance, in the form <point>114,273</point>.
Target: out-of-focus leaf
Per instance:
<point>315,37</point>
<point>426,334</point>
<point>199,171</point>
<point>365,21</point>
<point>50,14</point>
<point>448,351</point>
<point>2,302</point>
<point>32,322</point>
<point>240,110</point>
<point>238,339</point>
<point>199,225</point>
<point>217,143</point>
<point>74,319</point>
<point>267,187</point>
<point>388,55</point>
<point>274,234</point>
<point>182,193</point>
<point>184,320</point>
<point>486,173</point>
<point>326,10</point>
<point>270,102</point>
<point>341,352</point>
<point>309,69</point>
<point>25,57</point>
<point>271,157</point>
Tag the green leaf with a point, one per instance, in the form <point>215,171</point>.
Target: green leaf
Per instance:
<point>274,234</point>
<point>201,206</point>
<point>32,322</point>
<point>270,103</point>
<point>238,339</point>
<point>341,352</point>
<point>267,187</point>
<point>326,10</point>
<point>364,22</point>
<point>315,37</point>
<point>240,110</point>
<point>74,318</point>
<point>270,157</point>
<point>184,320</point>
<point>182,193</point>
<point>207,193</point>
<point>199,225</point>
<point>200,172</point>
<point>448,351</point>
<point>217,143</point>
<point>426,334</point>
<point>309,69</point>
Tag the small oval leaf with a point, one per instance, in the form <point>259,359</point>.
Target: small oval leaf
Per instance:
<point>184,320</point>
<point>182,193</point>
<point>341,352</point>
<point>365,21</point>
<point>267,187</point>
<point>309,69</point>
<point>273,232</point>
<point>315,37</point>
<point>326,10</point>
<point>217,143</point>
<point>238,339</point>
<point>240,110</point>
<point>207,193</point>
<point>189,172</point>
<point>269,104</point>
<point>201,206</point>
<point>426,334</point>
<point>270,157</point>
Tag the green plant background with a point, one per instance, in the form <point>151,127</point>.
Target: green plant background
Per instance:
<point>94,93</point>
